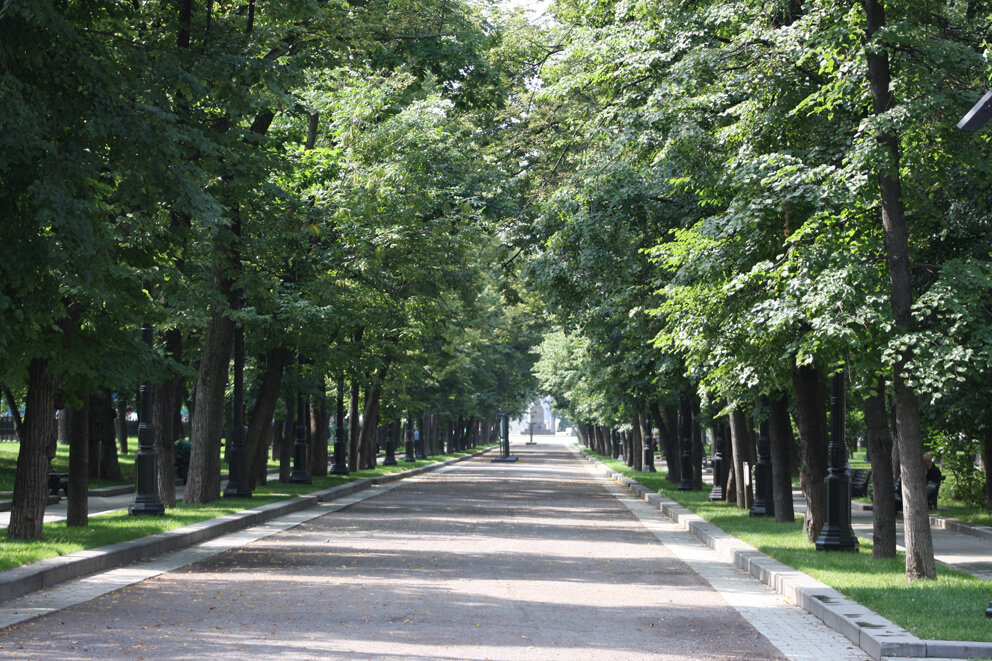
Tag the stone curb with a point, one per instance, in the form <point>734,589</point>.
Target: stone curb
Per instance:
<point>30,578</point>
<point>873,633</point>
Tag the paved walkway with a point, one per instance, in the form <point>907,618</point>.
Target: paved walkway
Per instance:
<point>539,559</point>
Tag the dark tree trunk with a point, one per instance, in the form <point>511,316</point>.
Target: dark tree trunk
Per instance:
<point>15,413</point>
<point>986,458</point>
<point>203,483</point>
<point>63,427</point>
<point>287,439</point>
<point>636,460</point>
<point>103,445</point>
<point>121,422</point>
<point>920,562</point>
<point>367,449</point>
<point>260,422</point>
<point>77,507</point>
<point>34,458</point>
<point>167,404</point>
<point>883,486</point>
<point>319,433</point>
<point>811,421</point>
<point>738,439</point>
<point>697,447</point>
<point>667,430</point>
<point>780,434</point>
<point>354,427</point>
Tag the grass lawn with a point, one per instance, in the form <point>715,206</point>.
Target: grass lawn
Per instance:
<point>950,608</point>
<point>59,539</point>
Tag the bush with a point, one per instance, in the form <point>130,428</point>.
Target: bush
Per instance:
<point>963,481</point>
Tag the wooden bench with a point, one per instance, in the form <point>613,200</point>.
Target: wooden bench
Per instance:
<point>860,482</point>
<point>58,483</point>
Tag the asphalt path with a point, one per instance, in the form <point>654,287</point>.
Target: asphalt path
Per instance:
<point>538,559</point>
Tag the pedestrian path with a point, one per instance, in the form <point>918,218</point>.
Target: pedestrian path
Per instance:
<point>539,559</point>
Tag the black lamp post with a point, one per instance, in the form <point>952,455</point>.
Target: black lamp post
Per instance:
<point>390,459</point>
<point>340,466</point>
<point>618,439</point>
<point>146,498</point>
<point>237,460</point>
<point>504,431</point>
<point>648,464</point>
<point>764,501</point>
<point>837,534</point>
<point>686,446</point>
<point>718,492</point>
<point>531,441</point>
<point>301,452</point>
<point>408,454</point>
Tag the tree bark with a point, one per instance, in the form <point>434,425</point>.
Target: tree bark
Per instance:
<point>77,506</point>
<point>121,422</point>
<point>811,421</point>
<point>697,447</point>
<point>34,459</point>
<point>883,486</point>
<point>780,433</point>
<point>15,413</point>
<point>986,458</point>
<point>354,426</point>
<point>636,460</point>
<point>319,433</point>
<point>738,438</point>
<point>260,422</point>
<point>103,444</point>
<point>920,562</point>
<point>667,428</point>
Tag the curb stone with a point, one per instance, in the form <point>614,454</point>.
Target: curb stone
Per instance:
<point>44,573</point>
<point>875,634</point>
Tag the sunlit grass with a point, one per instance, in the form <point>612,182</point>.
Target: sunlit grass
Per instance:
<point>111,528</point>
<point>950,608</point>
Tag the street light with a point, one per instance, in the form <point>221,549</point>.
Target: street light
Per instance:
<point>504,429</point>
<point>979,114</point>
<point>718,491</point>
<point>837,534</point>
<point>146,499</point>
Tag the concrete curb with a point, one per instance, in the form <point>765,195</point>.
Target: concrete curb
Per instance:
<point>44,573</point>
<point>873,633</point>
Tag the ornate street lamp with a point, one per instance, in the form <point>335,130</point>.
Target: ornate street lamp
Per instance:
<point>837,534</point>
<point>648,464</point>
<point>418,441</point>
<point>237,459</point>
<point>301,451</point>
<point>146,498</point>
<point>764,501</point>
<point>390,459</point>
<point>340,466</point>
<point>504,430</point>
<point>718,492</point>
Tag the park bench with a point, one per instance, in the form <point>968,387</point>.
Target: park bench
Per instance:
<point>58,483</point>
<point>860,482</point>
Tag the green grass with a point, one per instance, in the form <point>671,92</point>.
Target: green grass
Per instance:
<point>950,608</point>
<point>59,539</point>
<point>60,464</point>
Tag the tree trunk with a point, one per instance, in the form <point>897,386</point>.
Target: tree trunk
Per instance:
<point>103,445</point>
<point>319,433</point>
<point>668,438</point>
<point>34,459</point>
<point>920,562</point>
<point>354,427</point>
<point>636,460</point>
<point>367,449</point>
<point>697,447</point>
<point>287,439</point>
<point>883,486</point>
<point>260,422</point>
<point>780,434</point>
<point>203,483</point>
<point>15,413</point>
<point>167,401</point>
<point>986,458</point>
<point>738,439</point>
<point>77,507</point>
<point>121,422</point>
<point>811,421</point>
